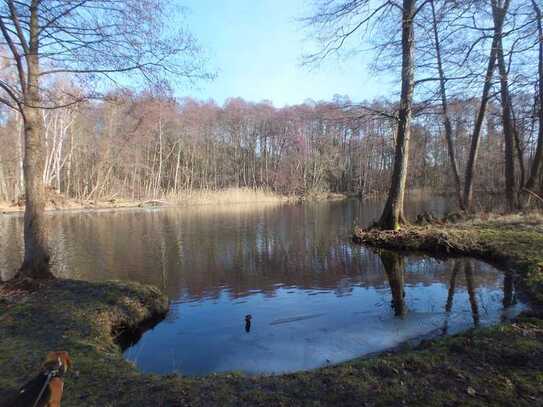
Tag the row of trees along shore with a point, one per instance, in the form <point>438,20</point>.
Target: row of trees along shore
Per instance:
<point>469,116</point>
<point>487,49</point>
<point>151,146</point>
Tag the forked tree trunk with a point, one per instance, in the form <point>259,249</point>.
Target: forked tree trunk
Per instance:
<point>445,112</point>
<point>36,254</point>
<point>538,157</point>
<point>393,213</point>
<point>476,136</point>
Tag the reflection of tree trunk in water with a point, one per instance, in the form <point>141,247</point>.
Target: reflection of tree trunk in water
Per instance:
<point>450,295</point>
<point>471,292</point>
<point>508,298</point>
<point>394,265</point>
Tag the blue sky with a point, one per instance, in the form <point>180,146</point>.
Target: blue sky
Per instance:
<point>256,47</point>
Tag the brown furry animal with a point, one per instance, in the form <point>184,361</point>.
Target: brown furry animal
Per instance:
<point>45,389</point>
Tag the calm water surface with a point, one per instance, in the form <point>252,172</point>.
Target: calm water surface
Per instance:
<point>314,298</point>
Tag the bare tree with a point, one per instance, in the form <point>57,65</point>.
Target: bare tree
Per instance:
<point>445,107</point>
<point>538,157</point>
<point>336,23</point>
<point>476,135</point>
<point>393,213</point>
<point>499,11</point>
<point>89,40</point>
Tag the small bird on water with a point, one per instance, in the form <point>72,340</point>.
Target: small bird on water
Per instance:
<point>248,319</point>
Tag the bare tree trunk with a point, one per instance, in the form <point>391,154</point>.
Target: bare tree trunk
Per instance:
<point>20,150</point>
<point>177,164</point>
<point>520,152</point>
<point>3,187</point>
<point>160,158</point>
<point>36,253</point>
<point>393,215</point>
<point>446,119</point>
<point>476,136</point>
<point>538,157</point>
<point>69,169</point>
<point>507,116</point>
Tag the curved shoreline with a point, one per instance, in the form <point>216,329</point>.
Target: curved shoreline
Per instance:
<point>498,365</point>
<point>510,246</point>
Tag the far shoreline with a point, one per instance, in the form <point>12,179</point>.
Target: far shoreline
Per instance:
<point>198,199</point>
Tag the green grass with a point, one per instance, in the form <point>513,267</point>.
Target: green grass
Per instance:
<point>501,365</point>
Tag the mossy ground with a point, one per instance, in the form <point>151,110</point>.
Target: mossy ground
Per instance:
<point>501,365</point>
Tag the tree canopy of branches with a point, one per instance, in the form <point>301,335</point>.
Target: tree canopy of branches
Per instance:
<point>450,47</point>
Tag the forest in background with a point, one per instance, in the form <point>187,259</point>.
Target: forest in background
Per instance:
<point>150,145</point>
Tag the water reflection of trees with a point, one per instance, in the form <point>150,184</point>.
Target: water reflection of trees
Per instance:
<point>396,272</point>
<point>197,253</point>
<point>394,265</point>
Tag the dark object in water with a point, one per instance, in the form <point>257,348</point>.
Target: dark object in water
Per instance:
<point>248,319</point>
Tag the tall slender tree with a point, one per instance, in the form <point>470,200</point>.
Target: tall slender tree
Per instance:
<point>445,109</point>
<point>393,213</point>
<point>499,12</point>
<point>476,134</point>
<point>538,156</point>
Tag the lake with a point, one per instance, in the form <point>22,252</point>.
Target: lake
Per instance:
<point>270,288</point>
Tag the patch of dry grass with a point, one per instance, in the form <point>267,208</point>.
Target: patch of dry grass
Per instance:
<point>226,196</point>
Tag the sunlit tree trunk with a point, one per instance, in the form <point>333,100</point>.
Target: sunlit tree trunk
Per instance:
<point>36,254</point>
<point>393,213</point>
<point>3,186</point>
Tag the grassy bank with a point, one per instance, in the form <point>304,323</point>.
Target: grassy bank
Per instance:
<point>500,365</point>
<point>510,242</point>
